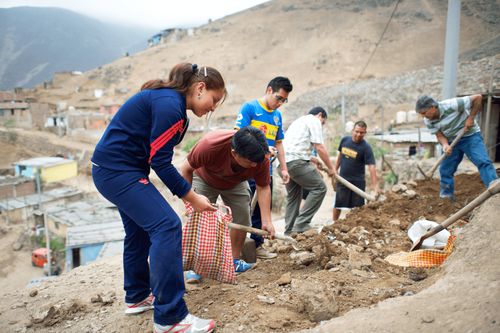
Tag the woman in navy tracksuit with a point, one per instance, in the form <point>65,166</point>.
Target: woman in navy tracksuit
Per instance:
<point>142,136</point>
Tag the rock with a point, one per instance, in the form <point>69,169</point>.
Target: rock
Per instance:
<point>418,275</point>
<point>284,279</point>
<point>411,183</point>
<point>108,298</point>
<point>338,243</point>
<point>33,292</point>
<point>397,188</point>
<point>303,258</point>
<point>318,302</point>
<point>410,194</point>
<point>284,248</point>
<point>359,260</point>
<point>317,250</point>
<point>329,265</point>
<point>361,273</point>
<point>395,222</point>
<point>310,233</point>
<point>96,299</point>
<point>43,314</point>
<point>427,319</point>
<point>344,228</point>
<point>265,299</point>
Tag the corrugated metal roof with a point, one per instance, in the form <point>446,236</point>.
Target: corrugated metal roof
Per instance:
<point>84,212</point>
<point>14,180</point>
<point>94,233</point>
<point>410,137</point>
<point>43,161</point>
<point>89,222</point>
<point>33,199</point>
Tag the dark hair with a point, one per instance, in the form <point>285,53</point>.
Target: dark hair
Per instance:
<point>318,109</point>
<point>184,75</point>
<point>425,102</point>
<point>250,143</point>
<point>360,123</point>
<point>280,82</point>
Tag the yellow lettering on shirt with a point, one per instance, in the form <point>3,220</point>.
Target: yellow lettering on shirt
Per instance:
<point>270,131</point>
<point>349,153</point>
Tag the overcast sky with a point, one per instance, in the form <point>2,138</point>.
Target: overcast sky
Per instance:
<point>158,14</point>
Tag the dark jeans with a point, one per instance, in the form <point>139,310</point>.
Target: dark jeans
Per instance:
<point>152,228</point>
<point>473,147</point>
<point>256,219</point>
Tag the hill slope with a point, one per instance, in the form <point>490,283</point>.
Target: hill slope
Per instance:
<point>36,42</point>
<point>315,43</point>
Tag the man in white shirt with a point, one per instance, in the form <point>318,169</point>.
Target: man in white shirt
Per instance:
<point>304,134</point>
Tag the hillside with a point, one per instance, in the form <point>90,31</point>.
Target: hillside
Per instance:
<point>35,42</point>
<point>315,43</point>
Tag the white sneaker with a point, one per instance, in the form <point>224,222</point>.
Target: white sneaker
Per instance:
<point>140,307</point>
<point>262,253</point>
<point>190,324</point>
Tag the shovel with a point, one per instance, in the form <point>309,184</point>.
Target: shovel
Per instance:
<point>256,231</point>
<point>349,185</point>
<point>493,189</point>
<point>428,175</point>
<point>355,189</point>
<point>260,232</point>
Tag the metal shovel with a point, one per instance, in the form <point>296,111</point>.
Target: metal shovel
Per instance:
<point>493,189</point>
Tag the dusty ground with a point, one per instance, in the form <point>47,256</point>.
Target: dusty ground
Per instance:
<point>347,272</point>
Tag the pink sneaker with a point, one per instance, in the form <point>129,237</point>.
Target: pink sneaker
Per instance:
<point>142,306</point>
<point>190,324</point>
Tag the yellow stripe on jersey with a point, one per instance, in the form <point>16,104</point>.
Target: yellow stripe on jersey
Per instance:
<point>349,152</point>
<point>270,131</point>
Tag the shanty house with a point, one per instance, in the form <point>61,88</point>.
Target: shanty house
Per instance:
<point>52,169</point>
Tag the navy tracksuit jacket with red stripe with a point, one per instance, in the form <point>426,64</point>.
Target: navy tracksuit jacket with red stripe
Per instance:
<point>142,136</point>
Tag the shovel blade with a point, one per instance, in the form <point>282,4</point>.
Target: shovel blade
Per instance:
<point>417,245</point>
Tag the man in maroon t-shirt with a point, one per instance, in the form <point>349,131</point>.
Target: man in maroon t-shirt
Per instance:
<point>220,164</point>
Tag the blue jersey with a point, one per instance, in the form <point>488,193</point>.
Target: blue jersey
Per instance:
<point>256,114</point>
<point>142,135</point>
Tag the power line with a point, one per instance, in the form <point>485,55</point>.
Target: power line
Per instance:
<point>380,39</point>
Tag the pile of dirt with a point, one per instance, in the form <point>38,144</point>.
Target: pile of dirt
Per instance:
<point>338,270</point>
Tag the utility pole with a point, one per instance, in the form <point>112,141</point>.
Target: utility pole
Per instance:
<point>451,50</point>
<point>38,180</point>
<point>342,105</point>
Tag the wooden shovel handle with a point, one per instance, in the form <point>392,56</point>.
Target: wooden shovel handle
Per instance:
<point>262,233</point>
<point>443,156</point>
<point>493,189</point>
<point>355,189</point>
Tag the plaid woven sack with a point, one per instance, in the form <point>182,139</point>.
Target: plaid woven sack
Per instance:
<point>422,258</point>
<point>206,246</point>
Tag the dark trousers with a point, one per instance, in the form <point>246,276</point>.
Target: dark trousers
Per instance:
<point>152,228</point>
<point>256,219</point>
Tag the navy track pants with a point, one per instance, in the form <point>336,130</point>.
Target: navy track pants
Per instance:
<point>152,228</point>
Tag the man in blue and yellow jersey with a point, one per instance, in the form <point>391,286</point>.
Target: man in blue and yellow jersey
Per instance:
<point>263,114</point>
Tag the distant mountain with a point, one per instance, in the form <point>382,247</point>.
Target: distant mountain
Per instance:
<point>35,42</point>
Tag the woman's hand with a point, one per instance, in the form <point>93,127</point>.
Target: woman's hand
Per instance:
<point>199,202</point>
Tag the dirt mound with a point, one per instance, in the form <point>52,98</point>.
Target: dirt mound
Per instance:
<point>338,270</point>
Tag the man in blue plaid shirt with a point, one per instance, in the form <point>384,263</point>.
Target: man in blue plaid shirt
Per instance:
<point>445,119</point>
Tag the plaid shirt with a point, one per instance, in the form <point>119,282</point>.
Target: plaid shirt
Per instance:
<point>300,136</point>
<point>452,115</point>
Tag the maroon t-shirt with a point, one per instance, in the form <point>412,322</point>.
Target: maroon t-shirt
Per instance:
<point>213,162</point>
